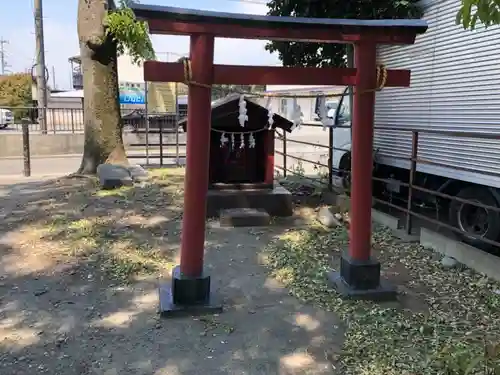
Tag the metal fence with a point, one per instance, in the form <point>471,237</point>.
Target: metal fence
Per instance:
<point>59,120</point>
<point>151,140</point>
<point>316,168</point>
<point>70,120</point>
<point>159,139</point>
<point>443,195</point>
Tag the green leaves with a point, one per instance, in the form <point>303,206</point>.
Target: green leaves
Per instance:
<point>329,54</point>
<point>130,34</point>
<point>485,11</point>
<point>15,90</point>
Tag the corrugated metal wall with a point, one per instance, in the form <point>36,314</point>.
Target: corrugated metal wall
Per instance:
<point>455,86</point>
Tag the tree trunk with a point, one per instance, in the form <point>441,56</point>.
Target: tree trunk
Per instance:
<point>102,118</point>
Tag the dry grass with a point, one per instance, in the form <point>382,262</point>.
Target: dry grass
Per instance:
<point>126,232</point>
<point>447,322</point>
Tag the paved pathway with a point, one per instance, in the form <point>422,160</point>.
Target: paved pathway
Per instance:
<point>65,164</point>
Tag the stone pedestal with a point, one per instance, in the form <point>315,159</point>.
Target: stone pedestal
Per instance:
<point>276,200</point>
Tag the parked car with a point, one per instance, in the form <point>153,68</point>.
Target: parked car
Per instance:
<point>6,118</point>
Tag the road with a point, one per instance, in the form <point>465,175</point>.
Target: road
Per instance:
<point>63,164</point>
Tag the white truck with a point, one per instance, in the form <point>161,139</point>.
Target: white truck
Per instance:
<point>455,87</point>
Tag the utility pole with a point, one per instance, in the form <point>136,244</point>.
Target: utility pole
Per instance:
<point>41,69</point>
<point>54,78</point>
<point>3,60</point>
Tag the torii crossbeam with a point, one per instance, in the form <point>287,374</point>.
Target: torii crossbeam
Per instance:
<point>359,274</point>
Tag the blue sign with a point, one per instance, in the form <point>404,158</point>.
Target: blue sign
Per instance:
<point>132,94</point>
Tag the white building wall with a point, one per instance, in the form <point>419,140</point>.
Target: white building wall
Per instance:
<point>128,71</point>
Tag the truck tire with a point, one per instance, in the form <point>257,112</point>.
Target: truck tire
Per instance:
<point>476,220</point>
<point>345,166</point>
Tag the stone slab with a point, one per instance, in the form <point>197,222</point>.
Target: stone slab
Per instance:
<point>244,217</point>
<point>113,176</point>
<point>276,201</point>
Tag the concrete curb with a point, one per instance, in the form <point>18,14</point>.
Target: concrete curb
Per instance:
<point>470,256</point>
<point>394,224</point>
<point>59,156</point>
<point>386,220</point>
<point>473,258</point>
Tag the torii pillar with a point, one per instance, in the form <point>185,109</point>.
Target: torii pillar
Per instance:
<point>359,276</point>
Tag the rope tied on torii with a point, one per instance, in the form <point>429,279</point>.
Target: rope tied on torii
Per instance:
<point>188,80</point>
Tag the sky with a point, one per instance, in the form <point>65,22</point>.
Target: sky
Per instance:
<point>61,39</point>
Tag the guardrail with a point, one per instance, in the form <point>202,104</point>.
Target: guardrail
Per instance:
<point>71,120</point>
<point>444,199</point>
<point>59,120</point>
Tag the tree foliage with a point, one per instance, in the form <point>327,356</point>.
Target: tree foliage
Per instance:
<point>130,34</point>
<point>220,91</point>
<point>485,11</point>
<point>15,90</point>
<point>323,54</point>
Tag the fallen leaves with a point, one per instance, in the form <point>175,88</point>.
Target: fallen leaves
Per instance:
<point>463,310</point>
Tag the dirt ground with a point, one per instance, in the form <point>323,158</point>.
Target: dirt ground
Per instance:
<point>79,272</point>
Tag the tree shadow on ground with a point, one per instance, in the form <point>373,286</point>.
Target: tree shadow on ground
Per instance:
<point>78,289</point>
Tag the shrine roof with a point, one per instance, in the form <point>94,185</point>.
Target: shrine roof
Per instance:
<point>172,20</point>
<point>225,112</point>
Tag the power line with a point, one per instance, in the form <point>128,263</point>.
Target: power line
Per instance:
<point>3,58</point>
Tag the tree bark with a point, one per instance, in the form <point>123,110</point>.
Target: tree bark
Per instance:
<point>102,118</point>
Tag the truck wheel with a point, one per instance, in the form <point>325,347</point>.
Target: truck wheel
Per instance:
<point>345,165</point>
<point>476,220</point>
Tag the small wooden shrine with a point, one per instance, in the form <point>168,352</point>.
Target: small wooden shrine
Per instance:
<point>242,156</point>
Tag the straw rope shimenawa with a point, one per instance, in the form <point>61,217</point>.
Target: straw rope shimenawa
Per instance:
<point>381,82</point>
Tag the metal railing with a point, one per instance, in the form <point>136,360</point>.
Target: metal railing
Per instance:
<point>70,120</point>
<point>59,120</point>
<point>326,178</point>
<point>157,133</point>
<point>155,139</point>
<point>441,198</point>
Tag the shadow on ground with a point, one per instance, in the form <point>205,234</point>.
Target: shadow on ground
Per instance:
<point>78,289</point>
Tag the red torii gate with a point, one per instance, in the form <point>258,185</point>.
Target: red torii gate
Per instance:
<point>359,275</point>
